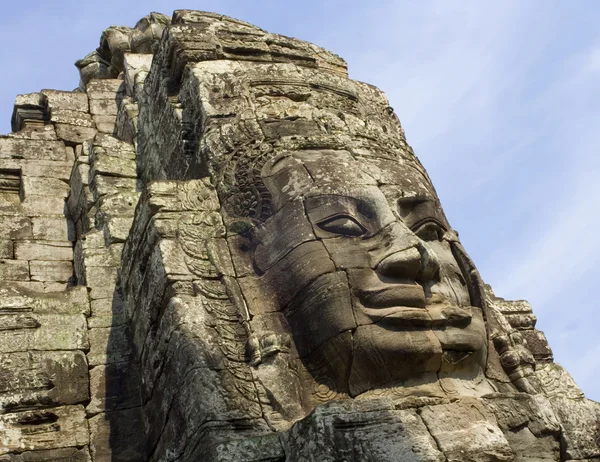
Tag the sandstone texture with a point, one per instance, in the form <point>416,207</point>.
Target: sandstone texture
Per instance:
<point>221,248</point>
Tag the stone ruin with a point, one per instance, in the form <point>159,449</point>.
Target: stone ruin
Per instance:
<point>221,248</point>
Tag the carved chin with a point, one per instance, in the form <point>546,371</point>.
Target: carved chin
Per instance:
<point>382,357</point>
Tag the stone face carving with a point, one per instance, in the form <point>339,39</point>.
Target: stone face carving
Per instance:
<point>269,272</point>
<point>387,302</point>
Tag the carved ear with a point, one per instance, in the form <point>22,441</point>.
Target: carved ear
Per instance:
<point>516,360</point>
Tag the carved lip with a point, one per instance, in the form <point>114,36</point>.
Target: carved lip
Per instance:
<point>406,305</point>
<point>399,316</point>
<point>389,296</point>
<point>395,305</point>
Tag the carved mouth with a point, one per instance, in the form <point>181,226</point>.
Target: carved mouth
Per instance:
<point>399,316</point>
<point>404,295</point>
<point>405,305</point>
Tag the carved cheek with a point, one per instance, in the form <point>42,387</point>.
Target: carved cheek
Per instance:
<point>281,234</point>
<point>292,273</point>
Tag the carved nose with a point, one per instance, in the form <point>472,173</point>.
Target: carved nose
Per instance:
<point>402,265</point>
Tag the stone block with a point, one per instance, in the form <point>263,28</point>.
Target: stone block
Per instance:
<point>44,250</point>
<point>14,148</point>
<point>103,87</point>
<point>113,387</point>
<point>51,455</point>
<point>32,331</point>
<point>466,432</point>
<point>59,427</point>
<point>6,249</point>
<point>36,132</point>
<point>109,345</point>
<point>528,447</point>
<point>116,436</point>
<point>355,431</point>
<point>15,227</point>
<point>70,117</point>
<point>37,186</point>
<point>66,100</point>
<point>103,256</point>
<point>537,344</point>
<point>113,166</point>
<point>580,421</point>
<point>134,63</point>
<point>50,228</point>
<point>38,379</point>
<point>47,169</point>
<point>14,270</point>
<point>31,99</point>
<point>105,123</point>
<point>252,449</point>
<point>102,185</point>
<point>120,204</point>
<point>74,133</point>
<point>101,281</point>
<point>37,205</point>
<point>114,146</point>
<point>10,204</point>
<point>30,297</point>
<point>51,271</point>
<point>116,229</point>
<point>107,312</point>
<point>105,107</point>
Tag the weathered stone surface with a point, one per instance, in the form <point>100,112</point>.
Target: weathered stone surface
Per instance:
<point>251,449</point>
<point>108,345</point>
<point>14,148</point>
<point>51,271</point>
<point>15,297</point>
<point>38,168</point>
<point>66,100</point>
<point>36,205</point>
<point>50,229</point>
<point>113,387</point>
<point>134,64</point>
<point>15,227</point>
<point>25,332</point>
<point>14,270</point>
<point>71,117</point>
<point>116,436</point>
<point>44,187</point>
<point>37,379</point>
<point>105,123</point>
<point>6,249</point>
<point>580,421</point>
<point>466,431</point>
<point>104,106</point>
<point>72,133</point>
<point>51,455</point>
<point>43,429</point>
<point>43,250</point>
<point>362,431</point>
<point>101,281</point>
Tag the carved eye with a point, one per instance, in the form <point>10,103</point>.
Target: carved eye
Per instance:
<point>342,224</point>
<point>429,230</point>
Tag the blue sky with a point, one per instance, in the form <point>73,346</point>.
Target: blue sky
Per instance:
<point>500,101</point>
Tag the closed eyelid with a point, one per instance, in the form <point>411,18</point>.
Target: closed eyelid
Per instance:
<point>417,211</point>
<point>342,224</point>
